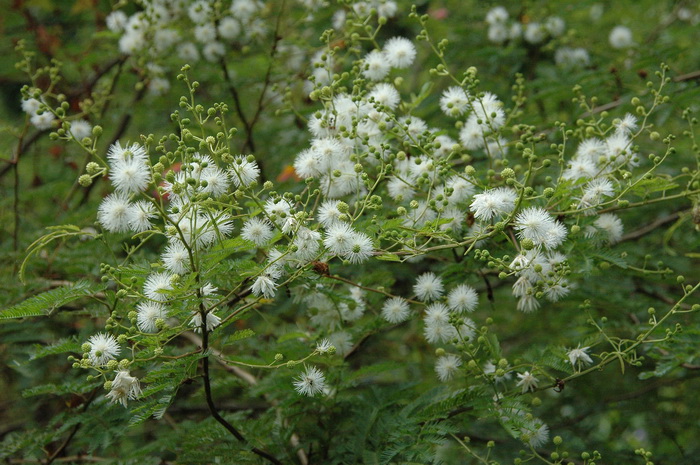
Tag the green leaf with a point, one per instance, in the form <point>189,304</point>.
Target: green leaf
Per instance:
<point>45,303</point>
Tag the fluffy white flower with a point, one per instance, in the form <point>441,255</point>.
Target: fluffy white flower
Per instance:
<point>463,298</point>
<point>229,28</point>
<point>257,230</point>
<point>395,310</point>
<point>200,11</point>
<point>311,382</point>
<point>497,15</point>
<point>446,366</point>
<point>375,66</point>
<point>278,209</point>
<point>536,434</point>
<point>627,125</point>
<point>43,121</point>
<point>116,21</point>
<point>212,51</point>
<point>265,286</point>
<point>527,381</point>
<point>80,129</point>
<point>176,258</point>
<point>244,172</point>
<point>493,202</point>
<point>124,388</point>
<point>113,213</point>
<point>103,348</point>
<point>555,26</point>
<point>534,33</point>
<point>454,101</point>
<point>400,52</point>
<point>157,285</point>
<point>612,225</point>
<point>621,37</point>
<point>140,215</point>
<point>428,287</point>
<point>339,238</point>
<point>147,314</point>
<point>385,94</point>
<point>359,249</point>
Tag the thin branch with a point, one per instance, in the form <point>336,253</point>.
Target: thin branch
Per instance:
<point>644,230</point>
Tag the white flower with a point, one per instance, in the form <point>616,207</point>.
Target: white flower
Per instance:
<point>103,348</point>
<point>339,238</point>
<point>342,342</point>
<point>493,202</point>
<point>278,209</point>
<point>244,172</point>
<point>156,286</point>
<point>31,106</point>
<point>116,21</point>
<point>124,387</point>
<point>536,224</point>
<point>213,51</point>
<point>229,28</point>
<point>385,94</point>
<point>428,287</point>
<point>534,33</point>
<point>324,346</point>
<point>114,213</point>
<point>621,37</point>
<point>264,286</point>
<point>612,225</point>
<point>129,176</point>
<point>527,381</point>
<point>80,129</point>
<point>200,11</point>
<point>43,121</point>
<point>311,382</point>
<point>528,304</point>
<point>555,26</point>
<point>147,314</point>
<point>212,321</point>
<point>579,355</point>
<point>328,213</point>
<point>497,15</point>
<point>395,310</point>
<point>463,298</point>
<point>257,230</point>
<point>375,66</point>
<point>359,249</point>
<point>400,52</point>
<point>535,435</point>
<point>176,258</point>
<point>140,215</point>
<point>454,101</point>
<point>446,366</point>
<point>626,125</point>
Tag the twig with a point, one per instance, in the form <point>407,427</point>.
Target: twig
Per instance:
<point>650,227</point>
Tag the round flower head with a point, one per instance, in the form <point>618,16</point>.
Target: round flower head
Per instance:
<point>454,101</point>
<point>43,121</point>
<point>359,248</point>
<point>328,213</point>
<point>395,310</point>
<point>156,286</point>
<point>621,37</point>
<point>400,52</point>
<point>375,66</point>
<point>116,21</point>
<point>535,434</point>
<point>257,230</point>
<point>213,51</point>
<point>130,176</point>
<point>147,314</point>
<point>463,298</point>
<point>244,172</point>
<point>140,215</point>
<point>311,382</point>
<point>229,28</point>
<point>31,106</point>
<point>103,348</point>
<point>447,366</point>
<point>114,213</point>
<point>385,94</point>
<point>493,202</point>
<point>428,287</point>
<point>611,225</point>
<point>176,258</point>
<point>80,129</point>
<point>497,15</point>
<point>339,238</point>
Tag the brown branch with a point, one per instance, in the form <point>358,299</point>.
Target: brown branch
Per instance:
<point>644,230</point>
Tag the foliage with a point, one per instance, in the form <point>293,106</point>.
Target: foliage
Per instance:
<point>357,232</point>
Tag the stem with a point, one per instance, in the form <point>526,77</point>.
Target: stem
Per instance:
<point>210,400</point>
